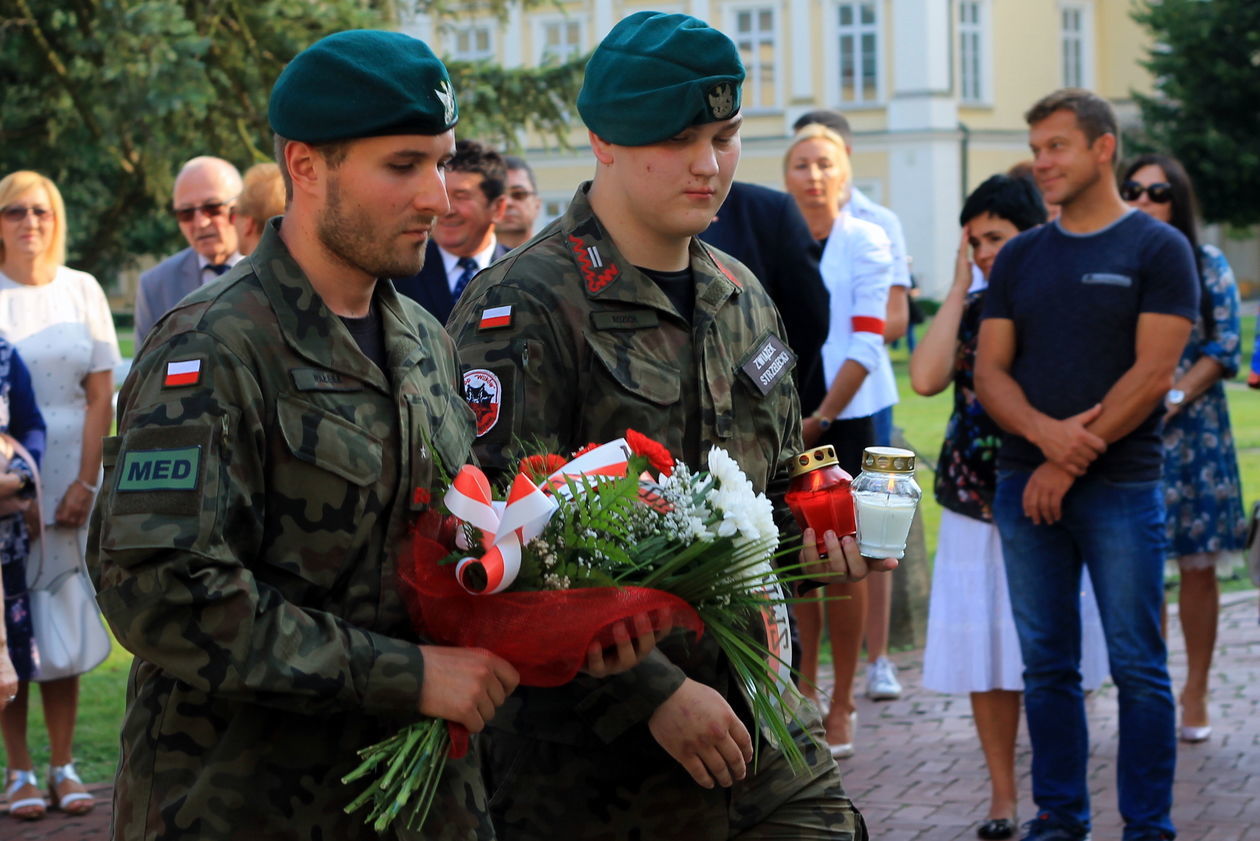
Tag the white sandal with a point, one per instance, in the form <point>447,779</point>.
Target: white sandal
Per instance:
<point>58,774</point>
<point>17,780</point>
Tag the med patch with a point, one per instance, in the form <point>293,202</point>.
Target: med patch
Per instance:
<point>177,469</point>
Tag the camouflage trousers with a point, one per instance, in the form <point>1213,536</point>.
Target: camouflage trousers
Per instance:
<point>543,791</point>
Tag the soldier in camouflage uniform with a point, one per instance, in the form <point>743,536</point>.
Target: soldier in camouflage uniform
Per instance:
<point>281,429</point>
<point>617,317</point>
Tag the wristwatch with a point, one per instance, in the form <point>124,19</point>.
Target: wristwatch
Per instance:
<point>1175,397</point>
<point>824,422</point>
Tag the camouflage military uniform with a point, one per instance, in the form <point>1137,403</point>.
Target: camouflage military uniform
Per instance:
<point>564,343</point>
<point>243,547</point>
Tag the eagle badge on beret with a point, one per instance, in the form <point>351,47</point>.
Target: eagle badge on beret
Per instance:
<point>721,100</point>
<point>447,96</point>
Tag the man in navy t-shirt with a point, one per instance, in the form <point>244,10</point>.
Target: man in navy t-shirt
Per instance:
<point>1084,322</point>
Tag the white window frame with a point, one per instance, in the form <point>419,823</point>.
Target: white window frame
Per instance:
<point>834,32</point>
<point>755,8</point>
<point>470,29</point>
<point>540,24</point>
<point>979,32</point>
<point>1082,39</point>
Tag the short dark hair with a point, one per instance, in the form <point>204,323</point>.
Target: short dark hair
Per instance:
<point>1093,113</point>
<point>333,154</point>
<point>1014,199</point>
<point>828,117</point>
<point>476,157</point>
<point>515,164</point>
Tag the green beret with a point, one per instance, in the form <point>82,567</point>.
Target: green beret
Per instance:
<point>362,83</point>
<point>655,75</point>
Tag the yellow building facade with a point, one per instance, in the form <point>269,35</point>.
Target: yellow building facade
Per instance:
<point>935,89</point>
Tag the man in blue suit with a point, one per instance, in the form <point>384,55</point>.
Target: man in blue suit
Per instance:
<point>463,241</point>
<point>204,199</point>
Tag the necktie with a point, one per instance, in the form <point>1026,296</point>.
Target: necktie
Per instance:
<point>219,269</point>
<point>469,265</point>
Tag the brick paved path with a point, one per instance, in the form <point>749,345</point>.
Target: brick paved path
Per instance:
<point>919,775</point>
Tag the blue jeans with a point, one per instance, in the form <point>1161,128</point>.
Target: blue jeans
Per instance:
<point>883,420</point>
<point>1117,530</point>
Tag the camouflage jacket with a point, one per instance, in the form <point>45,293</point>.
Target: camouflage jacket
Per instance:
<point>564,342</point>
<point>243,548</point>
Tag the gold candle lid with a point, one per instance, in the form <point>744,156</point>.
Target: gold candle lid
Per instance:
<point>812,459</point>
<point>888,460</point>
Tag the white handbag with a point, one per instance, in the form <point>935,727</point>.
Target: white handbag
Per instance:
<point>70,637</point>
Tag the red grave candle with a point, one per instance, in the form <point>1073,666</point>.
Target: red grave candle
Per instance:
<point>819,494</point>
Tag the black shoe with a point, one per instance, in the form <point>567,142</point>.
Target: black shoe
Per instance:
<point>1045,828</point>
<point>996,829</point>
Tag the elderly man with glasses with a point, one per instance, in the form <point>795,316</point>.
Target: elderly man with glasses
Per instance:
<point>205,195</point>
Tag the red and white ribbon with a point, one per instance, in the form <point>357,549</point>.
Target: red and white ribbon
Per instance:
<point>504,526</point>
<point>606,460</point>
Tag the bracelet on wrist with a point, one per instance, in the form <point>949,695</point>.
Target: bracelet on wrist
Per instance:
<point>824,422</point>
<point>85,485</point>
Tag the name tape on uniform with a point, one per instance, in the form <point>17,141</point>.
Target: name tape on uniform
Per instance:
<point>160,470</point>
<point>768,363</point>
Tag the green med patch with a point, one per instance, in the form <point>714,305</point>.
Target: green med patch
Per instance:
<point>160,470</point>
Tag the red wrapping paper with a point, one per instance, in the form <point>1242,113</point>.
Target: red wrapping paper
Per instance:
<point>545,635</point>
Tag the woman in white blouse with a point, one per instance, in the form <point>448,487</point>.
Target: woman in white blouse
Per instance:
<point>59,320</point>
<point>856,268</point>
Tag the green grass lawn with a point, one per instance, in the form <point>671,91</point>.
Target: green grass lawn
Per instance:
<point>923,419</point>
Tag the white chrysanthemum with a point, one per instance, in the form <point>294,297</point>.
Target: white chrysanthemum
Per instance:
<point>724,468</point>
<point>744,512</point>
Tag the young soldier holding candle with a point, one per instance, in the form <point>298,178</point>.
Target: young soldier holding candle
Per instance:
<point>617,316</point>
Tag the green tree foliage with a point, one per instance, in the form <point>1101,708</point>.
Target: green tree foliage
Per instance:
<point>109,97</point>
<point>1206,111</point>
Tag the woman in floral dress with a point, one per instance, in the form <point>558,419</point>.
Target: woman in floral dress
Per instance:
<point>1206,525</point>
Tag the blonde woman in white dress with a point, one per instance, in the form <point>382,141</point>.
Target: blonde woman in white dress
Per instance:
<point>59,320</point>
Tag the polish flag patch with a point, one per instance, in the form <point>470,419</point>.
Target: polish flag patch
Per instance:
<point>496,317</point>
<point>185,372</point>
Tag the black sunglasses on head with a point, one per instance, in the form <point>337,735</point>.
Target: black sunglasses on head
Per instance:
<point>210,208</point>
<point>1160,192</point>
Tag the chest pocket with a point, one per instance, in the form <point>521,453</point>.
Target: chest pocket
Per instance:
<point>321,484</point>
<point>644,376</point>
<point>628,388</point>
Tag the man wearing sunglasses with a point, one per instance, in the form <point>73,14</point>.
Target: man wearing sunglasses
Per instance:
<point>204,200</point>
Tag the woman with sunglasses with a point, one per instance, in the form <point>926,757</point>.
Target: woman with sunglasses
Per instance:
<point>1206,526</point>
<point>59,321</point>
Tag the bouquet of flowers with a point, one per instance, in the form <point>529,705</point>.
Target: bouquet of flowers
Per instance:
<point>577,548</point>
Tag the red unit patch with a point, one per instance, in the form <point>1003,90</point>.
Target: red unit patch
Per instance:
<point>484,395</point>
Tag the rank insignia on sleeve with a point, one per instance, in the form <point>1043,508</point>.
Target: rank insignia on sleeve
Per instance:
<point>484,394</point>
<point>492,317</point>
<point>182,372</point>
